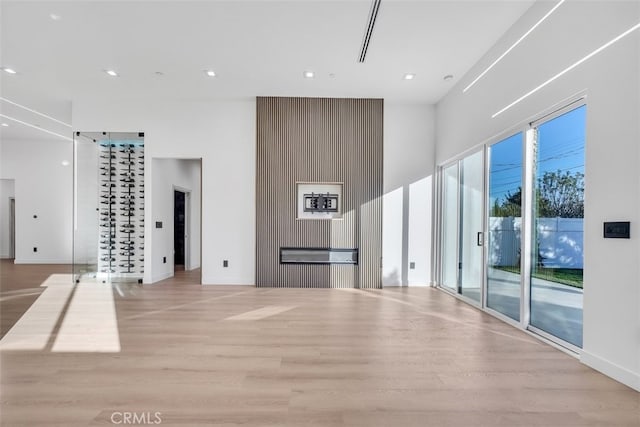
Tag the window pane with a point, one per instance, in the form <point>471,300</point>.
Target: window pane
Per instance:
<point>450,227</point>
<point>471,210</point>
<point>557,264</point>
<point>505,203</point>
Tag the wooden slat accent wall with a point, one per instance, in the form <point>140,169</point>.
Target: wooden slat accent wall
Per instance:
<point>319,140</point>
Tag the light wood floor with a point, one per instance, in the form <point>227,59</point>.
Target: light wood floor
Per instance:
<point>237,355</point>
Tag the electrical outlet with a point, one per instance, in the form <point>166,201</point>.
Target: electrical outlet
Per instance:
<point>412,265</point>
<point>35,249</point>
<point>225,263</point>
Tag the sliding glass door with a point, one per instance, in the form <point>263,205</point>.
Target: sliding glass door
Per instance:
<point>529,217</point>
<point>462,227</point>
<point>449,248</point>
<point>471,226</point>
<point>558,242</point>
<point>505,226</point>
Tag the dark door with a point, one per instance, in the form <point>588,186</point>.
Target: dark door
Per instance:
<point>12,228</point>
<point>178,227</point>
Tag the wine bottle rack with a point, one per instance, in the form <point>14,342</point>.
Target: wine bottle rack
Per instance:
<point>121,210</point>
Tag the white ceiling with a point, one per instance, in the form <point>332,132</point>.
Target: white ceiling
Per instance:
<point>257,48</point>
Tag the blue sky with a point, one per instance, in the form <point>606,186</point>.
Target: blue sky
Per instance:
<point>560,146</point>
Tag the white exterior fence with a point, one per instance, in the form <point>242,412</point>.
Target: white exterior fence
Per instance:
<point>560,242</point>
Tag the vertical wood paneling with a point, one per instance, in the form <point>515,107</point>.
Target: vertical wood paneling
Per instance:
<point>319,140</point>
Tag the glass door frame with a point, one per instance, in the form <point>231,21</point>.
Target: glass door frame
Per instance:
<point>524,221</point>
<point>528,129</point>
<point>566,107</point>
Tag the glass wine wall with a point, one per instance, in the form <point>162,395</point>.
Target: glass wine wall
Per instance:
<point>121,210</point>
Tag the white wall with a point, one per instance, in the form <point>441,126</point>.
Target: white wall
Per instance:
<point>409,139</point>
<point>43,187</point>
<point>222,133</point>
<point>169,175</point>
<point>7,191</point>
<point>612,188</point>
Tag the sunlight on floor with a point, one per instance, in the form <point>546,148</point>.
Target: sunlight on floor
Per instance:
<point>34,328</point>
<point>88,325</point>
<point>261,313</point>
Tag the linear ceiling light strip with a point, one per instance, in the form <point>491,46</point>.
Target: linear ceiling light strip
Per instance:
<point>36,127</point>
<point>514,45</point>
<point>571,67</point>
<point>34,111</point>
<point>373,14</point>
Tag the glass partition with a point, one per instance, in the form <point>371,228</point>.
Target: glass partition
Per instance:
<point>108,238</point>
<point>85,206</point>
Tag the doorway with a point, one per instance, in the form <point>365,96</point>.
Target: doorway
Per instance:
<point>177,211</point>
<point>179,230</point>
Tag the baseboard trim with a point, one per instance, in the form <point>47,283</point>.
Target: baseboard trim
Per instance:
<point>612,370</point>
<point>160,277</point>
<point>228,284</point>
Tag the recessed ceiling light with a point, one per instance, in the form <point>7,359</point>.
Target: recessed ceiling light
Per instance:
<point>112,73</point>
<point>65,163</point>
<point>9,70</point>
<point>309,74</point>
<point>210,73</point>
<point>55,16</point>
<point>448,77</point>
<point>409,76</point>
<point>5,125</point>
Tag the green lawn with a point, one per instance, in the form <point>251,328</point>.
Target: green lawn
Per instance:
<point>566,276</point>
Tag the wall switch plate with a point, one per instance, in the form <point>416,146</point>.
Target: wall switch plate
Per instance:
<point>158,224</point>
<point>617,230</point>
<point>225,263</point>
<point>412,265</point>
<point>164,259</point>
